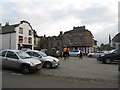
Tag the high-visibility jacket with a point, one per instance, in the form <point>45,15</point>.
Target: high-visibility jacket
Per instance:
<point>65,50</point>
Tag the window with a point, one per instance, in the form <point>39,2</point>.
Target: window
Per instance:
<point>30,32</point>
<point>33,54</point>
<point>30,40</point>
<point>20,39</point>
<point>3,53</point>
<point>11,54</point>
<point>20,30</point>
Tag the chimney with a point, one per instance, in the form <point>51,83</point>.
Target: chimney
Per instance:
<point>7,24</point>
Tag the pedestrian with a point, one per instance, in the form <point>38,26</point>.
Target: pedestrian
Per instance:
<point>57,53</point>
<point>65,53</point>
<point>61,54</point>
<point>80,55</point>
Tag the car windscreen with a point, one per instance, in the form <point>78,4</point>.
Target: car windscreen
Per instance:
<point>43,54</point>
<point>23,55</point>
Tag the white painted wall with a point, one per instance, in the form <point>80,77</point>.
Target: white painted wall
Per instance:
<point>26,29</point>
<point>5,38</point>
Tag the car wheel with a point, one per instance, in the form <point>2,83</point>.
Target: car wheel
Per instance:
<point>48,65</point>
<point>108,61</point>
<point>90,56</point>
<point>25,70</point>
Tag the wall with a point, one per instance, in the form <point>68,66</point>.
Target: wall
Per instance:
<point>26,27</point>
<point>8,41</point>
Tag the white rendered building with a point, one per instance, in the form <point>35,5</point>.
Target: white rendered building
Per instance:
<point>17,36</point>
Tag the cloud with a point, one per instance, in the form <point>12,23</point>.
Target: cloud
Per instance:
<point>52,16</point>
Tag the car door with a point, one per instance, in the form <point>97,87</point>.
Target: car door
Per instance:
<point>12,60</point>
<point>3,58</point>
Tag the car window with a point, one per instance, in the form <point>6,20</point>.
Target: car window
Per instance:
<point>33,54</point>
<point>30,53</point>
<point>3,53</point>
<point>11,54</point>
<point>36,54</point>
<point>23,55</point>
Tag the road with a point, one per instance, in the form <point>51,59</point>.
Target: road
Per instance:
<point>72,73</point>
<point>17,80</point>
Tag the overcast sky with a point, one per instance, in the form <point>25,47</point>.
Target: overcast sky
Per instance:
<point>52,16</point>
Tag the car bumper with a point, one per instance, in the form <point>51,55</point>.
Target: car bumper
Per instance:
<point>36,67</point>
<point>55,64</point>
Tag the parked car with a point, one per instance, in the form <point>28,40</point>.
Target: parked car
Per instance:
<point>48,61</point>
<point>112,57</point>
<point>74,53</point>
<point>19,60</point>
<point>119,66</point>
<point>96,54</point>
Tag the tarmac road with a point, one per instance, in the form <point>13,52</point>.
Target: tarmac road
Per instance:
<point>72,73</point>
<point>17,80</point>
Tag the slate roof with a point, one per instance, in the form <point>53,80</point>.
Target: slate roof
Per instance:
<point>8,29</point>
<point>117,38</point>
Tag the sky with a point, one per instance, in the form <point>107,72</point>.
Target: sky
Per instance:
<point>49,17</point>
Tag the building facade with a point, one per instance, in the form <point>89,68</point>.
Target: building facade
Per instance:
<point>17,36</point>
<point>116,41</point>
<point>78,38</point>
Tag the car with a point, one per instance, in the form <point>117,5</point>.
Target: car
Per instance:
<point>19,60</point>
<point>112,57</point>
<point>119,66</point>
<point>74,53</point>
<point>96,54</point>
<point>48,61</point>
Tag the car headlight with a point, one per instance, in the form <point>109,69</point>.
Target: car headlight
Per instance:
<point>32,64</point>
<point>103,55</point>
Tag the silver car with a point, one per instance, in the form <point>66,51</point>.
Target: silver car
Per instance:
<point>48,61</point>
<point>74,53</point>
<point>19,60</point>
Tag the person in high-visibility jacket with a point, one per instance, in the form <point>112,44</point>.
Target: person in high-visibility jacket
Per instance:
<point>65,53</point>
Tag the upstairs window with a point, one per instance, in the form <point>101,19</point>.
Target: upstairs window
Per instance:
<point>30,32</point>
<point>20,30</point>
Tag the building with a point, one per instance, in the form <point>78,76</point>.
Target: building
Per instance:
<point>78,38</point>
<point>17,36</point>
<point>116,41</point>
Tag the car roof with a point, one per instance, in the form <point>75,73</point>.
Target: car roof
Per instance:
<point>32,50</point>
<point>11,50</point>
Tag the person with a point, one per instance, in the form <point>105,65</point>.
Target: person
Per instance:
<point>58,53</point>
<point>65,53</point>
<point>80,56</point>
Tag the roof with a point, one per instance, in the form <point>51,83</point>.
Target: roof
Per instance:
<point>11,28</point>
<point>7,29</point>
<point>78,29</point>
<point>10,50</point>
<point>117,38</point>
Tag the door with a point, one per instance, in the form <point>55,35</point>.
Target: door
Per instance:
<point>12,60</point>
<point>3,58</point>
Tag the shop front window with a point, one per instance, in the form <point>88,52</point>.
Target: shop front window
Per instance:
<point>20,39</point>
<point>30,40</point>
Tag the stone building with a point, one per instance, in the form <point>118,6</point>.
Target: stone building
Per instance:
<point>116,41</point>
<point>78,38</point>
